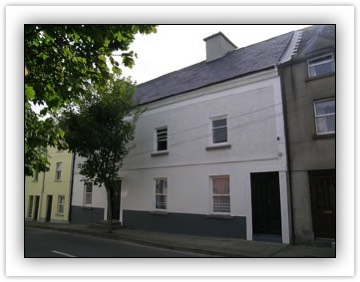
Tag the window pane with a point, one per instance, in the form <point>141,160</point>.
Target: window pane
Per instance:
<point>221,185</point>
<point>220,135</point>
<point>219,122</point>
<point>325,124</point>
<point>221,203</point>
<point>160,186</point>
<point>161,135</point>
<point>325,107</point>
<point>321,65</point>
<point>320,60</point>
<point>88,187</point>
<point>162,145</point>
<point>88,199</point>
<point>160,201</point>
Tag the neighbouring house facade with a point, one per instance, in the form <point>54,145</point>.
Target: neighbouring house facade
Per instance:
<point>48,195</point>
<point>309,103</point>
<point>88,200</point>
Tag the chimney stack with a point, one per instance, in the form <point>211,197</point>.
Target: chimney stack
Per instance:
<point>217,45</point>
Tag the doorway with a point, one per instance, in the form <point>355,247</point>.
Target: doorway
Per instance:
<point>266,211</point>
<point>48,207</point>
<point>36,207</point>
<point>323,198</point>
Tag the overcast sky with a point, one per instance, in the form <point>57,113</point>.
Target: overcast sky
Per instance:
<point>174,47</point>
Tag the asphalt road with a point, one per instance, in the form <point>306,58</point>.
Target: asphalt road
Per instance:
<point>48,243</point>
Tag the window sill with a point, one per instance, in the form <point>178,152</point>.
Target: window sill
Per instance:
<point>57,180</point>
<point>220,216</point>
<point>86,208</point>
<point>324,136</point>
<point>319,76</point>
<point>218,147</point>
<point>59,214</point>
<point>160,153</point>
<point>163,213</point>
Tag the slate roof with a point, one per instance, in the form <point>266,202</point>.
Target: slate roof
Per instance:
<point>314,38</point>
<point>240,62</point>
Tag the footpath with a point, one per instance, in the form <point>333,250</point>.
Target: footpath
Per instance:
<point>222,247</point>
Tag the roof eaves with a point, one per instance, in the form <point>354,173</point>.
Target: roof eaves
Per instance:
<point>211,84</point>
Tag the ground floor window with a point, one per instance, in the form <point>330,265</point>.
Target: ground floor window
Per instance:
<point>31,204</point>
<point>88,194</point>
<point>160,193</point>
<point>220,194</point>
<point>61,204</point>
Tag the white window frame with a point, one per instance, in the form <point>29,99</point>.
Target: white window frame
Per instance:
<point>321,116</point>
<point>224,117</point>
<point>58,171</point>
<point>157,139</point>
<point>311,64</point>
<point>86,193</point>
<point>165,193</point>
<point>213,195</point>
<point>61,205</point>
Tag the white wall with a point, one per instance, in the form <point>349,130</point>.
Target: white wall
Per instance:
<point>99,194</point>
<point>255,132</point>
<point>252,126</point>
<point>254,112</point>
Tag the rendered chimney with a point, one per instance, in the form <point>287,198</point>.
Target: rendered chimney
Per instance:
<point>217,45</point>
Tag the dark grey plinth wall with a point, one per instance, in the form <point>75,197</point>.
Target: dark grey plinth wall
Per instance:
<point>83,215</point>
<point>191,224</point>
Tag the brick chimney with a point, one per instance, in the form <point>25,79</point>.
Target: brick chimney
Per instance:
<point>217,45</point>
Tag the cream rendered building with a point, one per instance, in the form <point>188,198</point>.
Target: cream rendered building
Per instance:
<point>48,195</point>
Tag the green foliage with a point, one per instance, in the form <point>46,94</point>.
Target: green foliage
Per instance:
<point>99,131</point>
<point>62,60</point>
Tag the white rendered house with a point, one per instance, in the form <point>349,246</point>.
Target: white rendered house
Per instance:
<point>209,154</point>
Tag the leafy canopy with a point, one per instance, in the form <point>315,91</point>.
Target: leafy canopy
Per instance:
<point>100,130</point>
<point>63,60</point>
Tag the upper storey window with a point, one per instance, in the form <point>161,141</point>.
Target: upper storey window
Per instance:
<point>325,116</point>
<point>219,130</point>
<point>162,139</point>
<point>321,65</point>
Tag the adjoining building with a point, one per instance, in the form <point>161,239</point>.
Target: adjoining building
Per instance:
<point>48,195</point>
<point>309,98</point>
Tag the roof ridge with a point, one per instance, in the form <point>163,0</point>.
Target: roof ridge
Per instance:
<point>292,47</point>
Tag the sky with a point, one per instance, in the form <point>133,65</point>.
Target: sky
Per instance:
<point>174,47</point>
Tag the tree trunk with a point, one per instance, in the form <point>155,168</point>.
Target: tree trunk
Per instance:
<point>109,208</point>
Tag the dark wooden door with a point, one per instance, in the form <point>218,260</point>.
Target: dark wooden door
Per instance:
<point>323,195</point>
<point>48,207</point>
<point>265,199</point>
<point>116,200</point>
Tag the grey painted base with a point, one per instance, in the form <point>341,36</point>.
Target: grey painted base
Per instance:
<point>83,215</point>
<point>191,224</point>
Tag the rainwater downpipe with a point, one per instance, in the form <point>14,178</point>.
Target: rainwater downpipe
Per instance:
<point>287,145</point>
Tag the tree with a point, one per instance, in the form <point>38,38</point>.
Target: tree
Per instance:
<point>63,60</point>
<point>99,131</point>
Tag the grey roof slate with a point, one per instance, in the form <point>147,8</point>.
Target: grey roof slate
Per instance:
<point>314,38</point>
<point>240,62</point>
